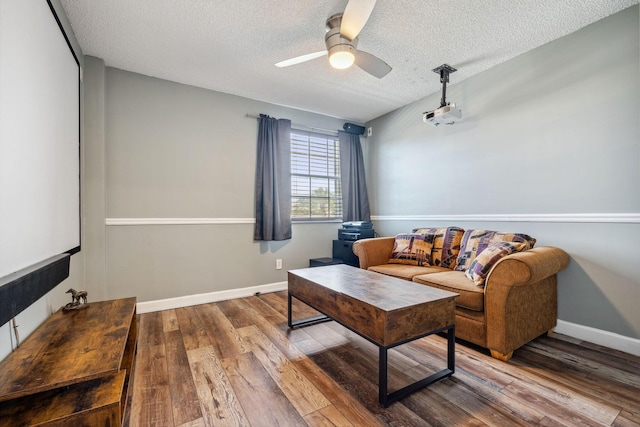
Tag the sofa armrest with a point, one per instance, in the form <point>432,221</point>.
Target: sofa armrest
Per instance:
<point>375,251</point>
<point>528,267</point>
<point>521,300</point>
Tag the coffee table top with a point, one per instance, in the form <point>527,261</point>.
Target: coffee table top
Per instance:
<point>384,292</point>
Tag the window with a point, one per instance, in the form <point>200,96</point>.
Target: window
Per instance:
<point>315,176</point>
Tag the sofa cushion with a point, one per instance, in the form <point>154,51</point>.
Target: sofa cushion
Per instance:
<point>475,241</point>
<point>404,271</point>
<point>484,262</point>
<point>471,296</point>
<point>446,245</point>
<point>412,249</point>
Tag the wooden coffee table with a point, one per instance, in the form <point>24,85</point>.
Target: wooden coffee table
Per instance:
<point>384,310</point>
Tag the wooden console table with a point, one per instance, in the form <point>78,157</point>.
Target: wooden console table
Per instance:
<point>73,370</point>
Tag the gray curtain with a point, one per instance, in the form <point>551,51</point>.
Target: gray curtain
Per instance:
<point>273,180</point>
<point>355,200</point>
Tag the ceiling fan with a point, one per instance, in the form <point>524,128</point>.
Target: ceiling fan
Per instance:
<point>341,41</point>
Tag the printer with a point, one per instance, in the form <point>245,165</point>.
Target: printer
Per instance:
<point>356,230</point>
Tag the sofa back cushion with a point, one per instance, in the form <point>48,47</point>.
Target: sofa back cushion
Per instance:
<point>446,245</point>
<point>412,249</point>
<point>476,241</point>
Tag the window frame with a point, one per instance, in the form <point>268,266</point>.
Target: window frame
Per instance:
<point>332,155</point>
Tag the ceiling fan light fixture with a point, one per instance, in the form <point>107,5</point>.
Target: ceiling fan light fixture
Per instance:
<point>342,60</point>
<point>341,56</point>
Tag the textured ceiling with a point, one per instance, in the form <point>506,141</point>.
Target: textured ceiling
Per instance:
<point>230,46</point>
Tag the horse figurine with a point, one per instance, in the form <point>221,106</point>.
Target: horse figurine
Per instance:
<point>76,295</point>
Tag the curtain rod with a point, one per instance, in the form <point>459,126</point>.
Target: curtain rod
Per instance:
<point>299,126</point>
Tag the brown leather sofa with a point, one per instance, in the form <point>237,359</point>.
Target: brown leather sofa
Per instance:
<point>517,303</point>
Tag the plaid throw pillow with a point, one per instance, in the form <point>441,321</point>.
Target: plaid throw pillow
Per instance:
<point>412,249</point>
<point>446,245</point>
<point>475,241</point>
<point>484,262</point>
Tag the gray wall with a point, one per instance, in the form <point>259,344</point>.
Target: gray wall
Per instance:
<point>164,150</point>
<point>554,131</point>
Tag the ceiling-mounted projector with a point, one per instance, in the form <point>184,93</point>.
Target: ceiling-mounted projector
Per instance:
<point>447,114</point>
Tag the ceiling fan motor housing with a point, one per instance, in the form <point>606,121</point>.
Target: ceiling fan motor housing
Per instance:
<point>338,46</point>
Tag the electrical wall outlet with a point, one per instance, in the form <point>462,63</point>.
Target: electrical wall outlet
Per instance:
<point>278,264</point>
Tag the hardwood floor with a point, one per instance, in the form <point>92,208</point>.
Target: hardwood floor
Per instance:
<point>235,363</point>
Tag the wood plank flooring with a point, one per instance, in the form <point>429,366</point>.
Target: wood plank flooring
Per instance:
<point>235,363</point>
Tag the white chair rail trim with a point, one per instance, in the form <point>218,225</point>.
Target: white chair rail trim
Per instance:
<point>177,221</point>
<point>621,218</point>
<point>624,218</point>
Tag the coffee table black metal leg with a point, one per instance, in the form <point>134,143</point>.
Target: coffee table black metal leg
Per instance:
<point>382,376</point>
<point>451,349</point>
<point>387,399</point>
<point>309,321</point>
<point>289,309</point>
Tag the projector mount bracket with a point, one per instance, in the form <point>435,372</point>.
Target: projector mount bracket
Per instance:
<point>444,70</point>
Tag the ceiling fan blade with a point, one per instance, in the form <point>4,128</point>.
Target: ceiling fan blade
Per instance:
<point>355,15</point>
<point>300,59</point>
<point>372,64</point>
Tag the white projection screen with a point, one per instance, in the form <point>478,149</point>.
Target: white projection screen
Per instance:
<point>39,137</point>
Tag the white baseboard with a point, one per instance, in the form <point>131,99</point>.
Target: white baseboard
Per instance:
<point>188,300</point>
<point>600,337</point>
